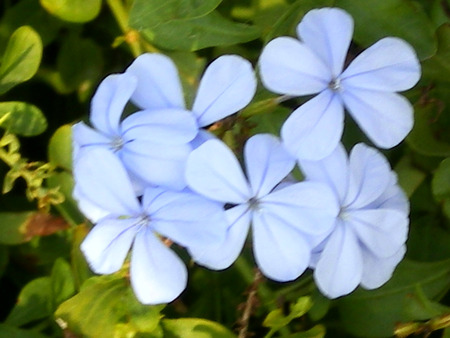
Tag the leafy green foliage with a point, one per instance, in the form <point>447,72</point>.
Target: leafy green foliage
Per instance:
<point>73,10</point>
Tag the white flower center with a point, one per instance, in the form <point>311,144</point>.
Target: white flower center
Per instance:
<point>335,85</point>
<point>117,143</point>
<point>344,214</point>
<point>255,205</point>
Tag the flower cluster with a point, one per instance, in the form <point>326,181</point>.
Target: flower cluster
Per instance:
<point>156,176</point>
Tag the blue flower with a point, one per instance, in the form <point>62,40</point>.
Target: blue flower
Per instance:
<point>152,144</point>
<point>105,194</point>
<point>369,234</point>
<point>227,85</point>
<point>287,220</point>
<point>366,88</point>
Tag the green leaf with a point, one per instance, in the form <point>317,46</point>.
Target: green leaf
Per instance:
<point>409,176</point>
<point>60,147</point>
<point>4,259</point>
<point>422,138</point>
<point>437,68</point>
<point>375,19</point>
<point>21,58</point>
<point>374,313</point>
<point>276,319</point>
<point>104,306</point>
<point>62,283</point>
<point>194,328</point>
<point>151,13</point>
<point>22,118</point>
<point>79,63</point>
<point>14,332</point>
<point>317,331</point>
<point>78,11</point>
<point>32,303</point>
<point>441,181</point>
<point>14,225</point>
<point>198,33</point>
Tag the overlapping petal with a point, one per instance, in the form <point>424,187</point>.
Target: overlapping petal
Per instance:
<point>267,163</point>
<point>220,256</point>
<point>280,250</point>
<point>167,126</point>
<point>386,118</point>
<point>339,269</point>
<point>213,171</point>
<point>314,129</point>
<point>328,33</point>
<point>288,66</point>
<point>370,176</point>
<point>107,244</point>
<point>390,64</point>
<point>109,101</point>
<point>103,181</point>
<point>157,274</point>
<point>227,86</point>
<point>159,84</point>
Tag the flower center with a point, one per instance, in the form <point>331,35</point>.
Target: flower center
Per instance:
<point>343,214</point>
<point>143,221</point>
<point>335,85</point>
<point>255,205</point>
<point>117,143</point>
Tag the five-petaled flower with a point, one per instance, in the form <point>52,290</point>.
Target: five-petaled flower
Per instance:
<point>105,194</point>
<point>287,222</point>
<point>366,88</point>
<point>369,234</point>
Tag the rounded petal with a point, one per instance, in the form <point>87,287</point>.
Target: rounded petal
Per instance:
<point>202,136</point>
<point>370,176</point>
<point>386,118</point>
<point>89,209</point>
<point>328,32</point>
<point>227,85</point>
<point>378,271</point>
<point>107,244</point>
<point>332,170</point>
<point>289,67</point>
<point>157,274</point>
<point>166,126</point>
<point>314,129</point>
<point>185,217</point>
<point>82,136</point>
<point>392,198</point>
<point>109,101</point>
<point>159,85</point>
<point>219,256</point>
<point>382,231</point>
<point>157,164</point>
<point>103,181</point>
<point>267,163</point>
<point>339,269</point>
<point>281,251</point>
<point>309,207</point>
<point>213,171</point>
<point>391,64</point>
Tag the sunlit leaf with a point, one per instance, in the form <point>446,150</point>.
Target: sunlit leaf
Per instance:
<point>73,10</point>
<point>62,283</point>
<point>21,58</point>
<point>194,328</point>
<point>60,147</point>
<point>22,118</point>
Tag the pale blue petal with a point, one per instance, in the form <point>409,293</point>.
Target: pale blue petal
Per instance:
<point>370,176</point>
<point>107,244</point>
<point>314,129</point>
<point>227,86</point>
<point>213,171</point>
<point>391,64</point>
<point>382,231</point>
<point>89,209</point>
<point>309,207</point>
<point>157,164</point>
<point>185,217</point>
<point>332,170</point>
<point>289,67</point>
<point>281,251</point>
<point>339,269</point>
<point>386,118</point>
<point>109,101</point>
<point>166,126</point>
<point>159,84</point>
<point>82,136</point>
<point>328,32</point>
<point>103,181</point>
<point>267,163</point>
<point>202,136</point>
<point>218,256</point>
<point>378,271</point>
<point>157,274</point>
